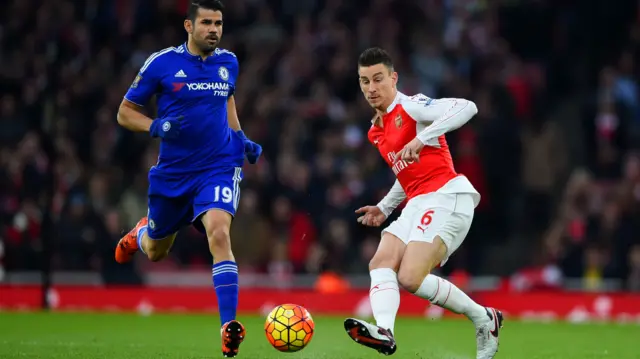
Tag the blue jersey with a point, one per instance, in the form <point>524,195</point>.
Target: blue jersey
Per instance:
<point>186,85</point>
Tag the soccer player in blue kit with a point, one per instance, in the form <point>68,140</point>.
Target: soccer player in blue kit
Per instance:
<point>202,150</point>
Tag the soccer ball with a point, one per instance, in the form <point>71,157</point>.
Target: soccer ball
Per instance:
<point>289,328</point>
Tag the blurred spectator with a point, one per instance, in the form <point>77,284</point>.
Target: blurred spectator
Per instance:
<point>65,66</point>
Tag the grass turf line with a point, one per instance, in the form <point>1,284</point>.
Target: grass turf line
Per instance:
<point>124,336</point>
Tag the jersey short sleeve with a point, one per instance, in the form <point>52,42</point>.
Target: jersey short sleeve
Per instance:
<point>147,82</point>
<point>234,68</point>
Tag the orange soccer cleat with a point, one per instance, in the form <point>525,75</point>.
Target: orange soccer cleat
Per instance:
<point>232,336</point>
<point>128,245</point>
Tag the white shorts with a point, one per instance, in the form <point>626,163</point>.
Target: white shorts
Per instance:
<point>447,215</point>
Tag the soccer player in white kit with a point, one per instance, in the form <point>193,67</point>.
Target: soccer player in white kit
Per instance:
<point>409,133</point>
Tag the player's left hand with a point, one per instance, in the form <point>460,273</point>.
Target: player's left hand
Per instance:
<point>411,151</point>
<point>372,216</point>
<point>251,149</point>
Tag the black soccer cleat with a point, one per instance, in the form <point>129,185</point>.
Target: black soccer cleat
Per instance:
<point>233,333</point>
<point>371,336</point>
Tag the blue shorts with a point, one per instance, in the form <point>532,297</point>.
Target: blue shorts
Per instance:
<point>175,202</point>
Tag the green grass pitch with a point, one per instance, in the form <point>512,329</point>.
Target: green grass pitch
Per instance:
<point>123,336</point>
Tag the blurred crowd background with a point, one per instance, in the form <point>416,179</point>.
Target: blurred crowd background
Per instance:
<point>553,149</point>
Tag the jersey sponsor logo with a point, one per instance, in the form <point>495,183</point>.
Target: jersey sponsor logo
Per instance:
<point>218,88</point>
<point>136,81</point>
<point>177,86</point>
<point>399,165</point>
<point>223,73</point>
<point>207,86</point>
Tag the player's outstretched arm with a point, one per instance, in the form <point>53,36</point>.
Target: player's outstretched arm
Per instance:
<point>440,116</point>
<point>392,200</point>
<point>443,115</point>
<point>132,117</point>
<point>374,216</point>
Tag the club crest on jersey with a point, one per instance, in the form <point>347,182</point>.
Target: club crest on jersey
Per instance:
<point>136,81</point>
<point>223,73</point>
<point>398,121</point>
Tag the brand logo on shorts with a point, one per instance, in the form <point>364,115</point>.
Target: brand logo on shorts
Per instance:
<point>152,224</point>
<point>166,126</point>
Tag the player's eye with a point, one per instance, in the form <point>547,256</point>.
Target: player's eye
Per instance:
<point>219,23</point>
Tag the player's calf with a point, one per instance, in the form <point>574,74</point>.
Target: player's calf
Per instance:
<point>414,275</point>
<point>225,270</point>
<point>384,294</point>
<point>156,249</point>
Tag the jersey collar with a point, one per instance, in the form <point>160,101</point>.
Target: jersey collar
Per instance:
<point>188,53</point>
<point>395,102</point>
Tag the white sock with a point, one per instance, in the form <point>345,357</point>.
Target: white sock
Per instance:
<point>444,294</point>
<point>384,296</point>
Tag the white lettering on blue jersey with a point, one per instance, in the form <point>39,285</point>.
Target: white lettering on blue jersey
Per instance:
<point>199,94</point>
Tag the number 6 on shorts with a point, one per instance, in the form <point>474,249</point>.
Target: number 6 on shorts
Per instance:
<point>426,219</point>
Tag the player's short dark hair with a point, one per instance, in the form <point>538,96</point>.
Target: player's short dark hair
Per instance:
<point>373,56</point>
<point>192,11</point>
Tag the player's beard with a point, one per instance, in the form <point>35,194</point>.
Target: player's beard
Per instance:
<point>204,45</point>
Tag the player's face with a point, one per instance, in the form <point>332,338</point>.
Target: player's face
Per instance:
<point>205,30</point>
<point>378,84</point>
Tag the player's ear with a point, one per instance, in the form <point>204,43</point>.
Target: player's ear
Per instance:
<point>188,26</point>
<point>394,78</point>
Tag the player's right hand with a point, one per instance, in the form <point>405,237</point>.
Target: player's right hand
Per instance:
<point>168,127</point>
<point>372,216</point>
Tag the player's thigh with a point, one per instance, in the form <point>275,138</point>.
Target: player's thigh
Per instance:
<point>454,231</point>
<point>216,203</point>
<point>437,232</point>
<point>166,216</point>
<point>389,253</point>
<point>393,243</point>
<point>443,215</point>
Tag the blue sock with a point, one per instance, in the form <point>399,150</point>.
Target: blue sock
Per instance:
<point>141,233</point>
<point>225,281</point>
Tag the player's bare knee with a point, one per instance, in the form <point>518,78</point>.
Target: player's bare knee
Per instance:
<point>376,263</point>
<point>410,280</point>
<point>389,253</point>
<point>219,239</point>
<point>382,261</point>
